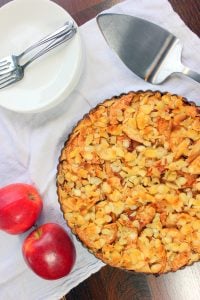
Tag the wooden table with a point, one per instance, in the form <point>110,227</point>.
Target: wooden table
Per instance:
<point>110,283</point>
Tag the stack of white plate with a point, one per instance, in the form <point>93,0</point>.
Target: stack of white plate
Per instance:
<point>51,78</point>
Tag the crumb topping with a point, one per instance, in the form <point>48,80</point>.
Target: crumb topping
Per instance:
<point>129,182</point>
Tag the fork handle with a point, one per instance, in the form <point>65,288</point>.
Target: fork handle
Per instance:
<point>56,34</point>
<point>52,45</point>
<point>192,74</point>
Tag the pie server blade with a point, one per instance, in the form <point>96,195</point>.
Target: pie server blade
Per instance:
<point>147,49</point>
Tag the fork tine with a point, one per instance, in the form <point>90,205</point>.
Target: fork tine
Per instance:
<point>8,82</point>
<point>4,63</point>
<point>8,79</point>
<point>5,76</point>
<point>4,70</point>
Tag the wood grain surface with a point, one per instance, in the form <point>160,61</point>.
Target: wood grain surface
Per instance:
<point>111,283</point>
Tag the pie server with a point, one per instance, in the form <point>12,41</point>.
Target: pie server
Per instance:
<point>147,49</point>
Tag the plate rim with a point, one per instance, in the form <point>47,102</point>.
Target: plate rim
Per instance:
<point>66,89</point>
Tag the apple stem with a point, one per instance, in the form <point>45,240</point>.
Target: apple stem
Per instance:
<point>38,233</point>
<point>31,197</point>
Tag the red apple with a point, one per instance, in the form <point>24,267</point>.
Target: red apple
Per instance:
<point>49,251</point>
<point>20,207</point>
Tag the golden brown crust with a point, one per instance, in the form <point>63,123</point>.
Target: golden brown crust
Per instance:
<point>128,181</point>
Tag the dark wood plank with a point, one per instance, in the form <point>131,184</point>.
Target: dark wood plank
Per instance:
<point>82,11</point>
<point>189,11</point>
<point>2,2</point>
<point>112,284</point>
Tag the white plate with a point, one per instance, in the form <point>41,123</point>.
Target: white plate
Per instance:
<point>50,79</point>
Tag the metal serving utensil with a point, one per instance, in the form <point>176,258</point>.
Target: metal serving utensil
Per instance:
<point>18,72</point>
<point>148,50</point>
<point>9,63</point>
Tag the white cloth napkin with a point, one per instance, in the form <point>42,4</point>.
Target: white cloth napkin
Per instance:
<point>31,144</point>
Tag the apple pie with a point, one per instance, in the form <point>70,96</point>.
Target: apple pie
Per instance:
<point>128,182</point>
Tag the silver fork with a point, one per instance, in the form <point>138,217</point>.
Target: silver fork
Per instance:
<point>9,63</point>
<point>18,73</point>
